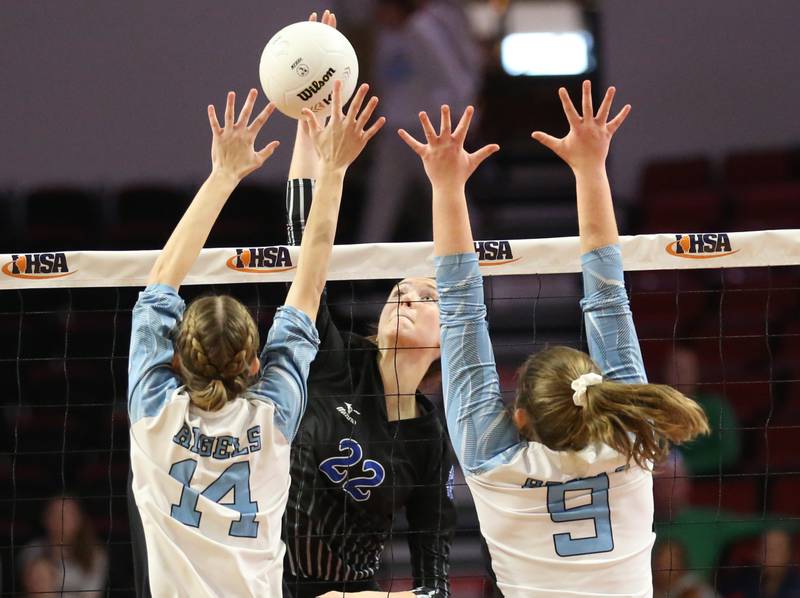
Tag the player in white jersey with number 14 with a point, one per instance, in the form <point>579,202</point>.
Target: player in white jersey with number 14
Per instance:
<point>211,425</point>
<point>563,487</point>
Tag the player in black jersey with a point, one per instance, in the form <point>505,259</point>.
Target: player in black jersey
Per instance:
<point>370,444</point>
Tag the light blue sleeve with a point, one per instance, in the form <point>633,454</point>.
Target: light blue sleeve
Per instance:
<point>151,380</point>
<point>480,425</point>
<point>610,332</point>
<point>291,346</point>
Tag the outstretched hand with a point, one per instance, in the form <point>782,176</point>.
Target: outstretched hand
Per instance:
<point>340,141</point>
<point>444,157</point>
<point>233,146</point>
<point>586,145</point>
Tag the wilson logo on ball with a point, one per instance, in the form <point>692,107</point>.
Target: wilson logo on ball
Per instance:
<point>261,260</point>
<point>37,265</point>
<point>494,253</point>
<point>701,246</point>
<point>308,92</point>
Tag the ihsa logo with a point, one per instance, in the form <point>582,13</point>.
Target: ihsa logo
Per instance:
<point>261,260</point>
<point>701,246</point>
<point>494,253</point>
<point>37,265</point>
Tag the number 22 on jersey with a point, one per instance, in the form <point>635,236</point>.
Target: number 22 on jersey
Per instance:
<point>236,478</point>
<point>337,470</point>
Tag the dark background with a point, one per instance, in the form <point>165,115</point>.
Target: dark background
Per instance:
<point>105,140</point>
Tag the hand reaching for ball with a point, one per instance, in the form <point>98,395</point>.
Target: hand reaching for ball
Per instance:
<point>233,150</point>
<point>340,141</point>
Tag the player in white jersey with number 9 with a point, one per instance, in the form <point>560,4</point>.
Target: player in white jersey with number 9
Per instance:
<point>563,487</point>
<point>211,425</point>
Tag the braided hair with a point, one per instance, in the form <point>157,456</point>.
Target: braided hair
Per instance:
<point>216,343</point>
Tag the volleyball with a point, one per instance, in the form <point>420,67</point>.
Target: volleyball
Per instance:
<point>301,62</point>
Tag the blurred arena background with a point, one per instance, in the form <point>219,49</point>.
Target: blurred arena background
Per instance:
<point>105,139</point>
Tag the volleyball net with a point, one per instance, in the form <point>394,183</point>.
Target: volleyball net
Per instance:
<point>715,313</point>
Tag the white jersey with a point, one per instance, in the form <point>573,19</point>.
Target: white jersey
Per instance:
<point>211,487</point>
<point>556,523</point>
<point>560,525</point>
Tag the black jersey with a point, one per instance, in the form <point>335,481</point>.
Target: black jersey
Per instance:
<point>352,469</point>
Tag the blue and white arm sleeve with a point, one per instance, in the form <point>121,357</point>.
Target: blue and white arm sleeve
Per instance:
<point>291,346</point>
<point>480,425</point>
<point>151,380</point>
<point>610,332</point>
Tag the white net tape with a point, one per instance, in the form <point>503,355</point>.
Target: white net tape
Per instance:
<point>277,263</point>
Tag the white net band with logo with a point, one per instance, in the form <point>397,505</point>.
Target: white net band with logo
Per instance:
<point>74,269</point>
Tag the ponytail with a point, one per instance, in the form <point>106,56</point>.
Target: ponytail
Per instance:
<point>637,420</point>
<point>641,420</point>
<point>212,397</point>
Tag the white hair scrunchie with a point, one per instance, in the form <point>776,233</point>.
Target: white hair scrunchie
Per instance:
<point>580,384</point>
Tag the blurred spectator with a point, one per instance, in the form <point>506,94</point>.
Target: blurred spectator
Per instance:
<point>425,56</point>
<point>721,448</point>
<point>778,576</point>
<point>670,575</point>
<point>38,577</point>
<point>79,564</point>
<point>703,532</point>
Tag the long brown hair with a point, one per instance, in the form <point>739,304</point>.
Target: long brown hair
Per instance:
<point>216,343</point>
<point>637,420</point>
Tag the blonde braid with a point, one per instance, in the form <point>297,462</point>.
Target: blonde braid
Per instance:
<point>198,355</point>
<point>224,325</point>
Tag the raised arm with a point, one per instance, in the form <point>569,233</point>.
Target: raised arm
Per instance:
<point>303,168</point>
<point>304,158</point>
<point>233,157</point>
<point>337,145</point>
<point>585,149</point>
<point>480,428</point>
<point>610,331</point>
<point>449,166</point>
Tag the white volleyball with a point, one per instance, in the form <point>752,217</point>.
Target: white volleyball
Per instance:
<point>301,62</point>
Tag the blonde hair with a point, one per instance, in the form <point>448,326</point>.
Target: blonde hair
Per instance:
<point>216,343</point>
<point>637,420</point>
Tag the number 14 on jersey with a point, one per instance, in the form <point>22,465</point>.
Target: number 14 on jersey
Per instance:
<point>235,478</point>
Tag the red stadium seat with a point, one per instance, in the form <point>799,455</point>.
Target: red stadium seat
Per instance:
<point>664,314</point>
<point>750,400</point>
<point>739,494</point>
<point>766,206</point>
<point>663,175</point>
<point>759,166</point>
<point>787,349</point>
<point>744,312</point>
<point>775,447</point>
<point>783,492</point>
<point>779,285</point>
<point>681,211</point>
